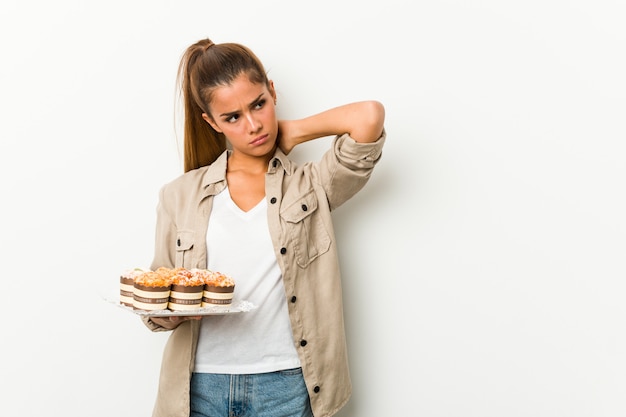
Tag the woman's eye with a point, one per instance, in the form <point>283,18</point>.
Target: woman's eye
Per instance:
<point>233,118</point>
<point>260,104</point>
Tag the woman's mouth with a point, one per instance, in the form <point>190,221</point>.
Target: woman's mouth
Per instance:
<point>259,140</point>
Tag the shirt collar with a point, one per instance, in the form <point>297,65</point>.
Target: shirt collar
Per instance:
<point>280,160</point>
<point>214,179</point>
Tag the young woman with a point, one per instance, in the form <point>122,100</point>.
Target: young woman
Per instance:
<point>249,211</point>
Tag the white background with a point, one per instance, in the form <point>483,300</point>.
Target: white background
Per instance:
<point>484,263</point>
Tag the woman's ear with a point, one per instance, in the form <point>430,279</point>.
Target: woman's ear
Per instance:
<point>272,90</point>
<point>210,121</point>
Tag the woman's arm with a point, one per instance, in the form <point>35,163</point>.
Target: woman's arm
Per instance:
<point>363,121</point>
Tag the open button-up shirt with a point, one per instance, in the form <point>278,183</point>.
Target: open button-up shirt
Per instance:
<point>300,200</point>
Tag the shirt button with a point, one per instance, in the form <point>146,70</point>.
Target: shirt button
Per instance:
<point>178,242</point>
<point>304,207</point>
<point>283,251</point>
<point>316,389</point>
<point>273,200</point>
<point>293,299</point>
<point>303,343</point>
<point>275,163</point>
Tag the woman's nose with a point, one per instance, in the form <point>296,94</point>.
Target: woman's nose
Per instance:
<point>253,124</point>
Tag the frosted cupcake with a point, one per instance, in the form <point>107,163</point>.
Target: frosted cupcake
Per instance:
<point>152,290</point>
<point>219,289</point>
<point>186,291</point>
<point>127,285</point>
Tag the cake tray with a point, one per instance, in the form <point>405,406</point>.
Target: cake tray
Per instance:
<point>236,307</point>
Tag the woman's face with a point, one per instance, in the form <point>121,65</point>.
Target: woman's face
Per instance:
<point>245,113</point>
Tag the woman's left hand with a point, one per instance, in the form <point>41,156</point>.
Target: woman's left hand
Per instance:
<point>285,137</point>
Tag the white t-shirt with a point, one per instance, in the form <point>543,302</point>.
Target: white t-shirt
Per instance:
<point>239,245</point>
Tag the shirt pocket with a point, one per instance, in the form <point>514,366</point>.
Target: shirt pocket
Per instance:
<point>307,234</point>
<point>185,240</point>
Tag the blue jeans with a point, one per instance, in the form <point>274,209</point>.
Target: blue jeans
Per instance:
<point>272,394</point>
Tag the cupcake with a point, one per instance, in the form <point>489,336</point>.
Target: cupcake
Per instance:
<point>219,289</point>
<point>152,290</point>
<point>127,281</point>
<point>186,290</point>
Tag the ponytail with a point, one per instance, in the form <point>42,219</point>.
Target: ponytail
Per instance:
<point>201,143</point>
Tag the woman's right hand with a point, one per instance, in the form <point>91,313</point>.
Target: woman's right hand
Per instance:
<point>172,322</point>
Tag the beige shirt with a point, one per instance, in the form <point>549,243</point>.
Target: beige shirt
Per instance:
<point>300,200</point>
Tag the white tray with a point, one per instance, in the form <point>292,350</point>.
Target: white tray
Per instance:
<point>236,307</point>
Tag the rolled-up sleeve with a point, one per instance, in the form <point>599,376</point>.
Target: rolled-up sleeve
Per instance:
<point>347,167</point>
<point>358,155</point>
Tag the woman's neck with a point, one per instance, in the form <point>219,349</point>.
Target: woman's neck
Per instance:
<point>238,161</point>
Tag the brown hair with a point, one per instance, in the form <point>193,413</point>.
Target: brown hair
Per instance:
<point>204,67</point>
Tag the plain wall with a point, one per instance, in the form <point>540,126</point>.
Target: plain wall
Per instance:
<point>483,264</point>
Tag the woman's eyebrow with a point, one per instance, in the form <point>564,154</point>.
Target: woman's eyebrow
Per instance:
<point>252,104</point>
